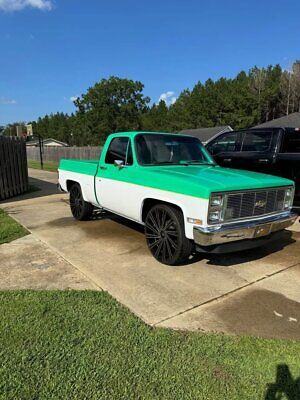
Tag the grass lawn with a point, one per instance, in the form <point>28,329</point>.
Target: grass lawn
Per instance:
<point>10,229</point>
<point>48,166</point>
<point>85,345</point>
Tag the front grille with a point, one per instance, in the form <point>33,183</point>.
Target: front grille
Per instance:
<point>253,203</point>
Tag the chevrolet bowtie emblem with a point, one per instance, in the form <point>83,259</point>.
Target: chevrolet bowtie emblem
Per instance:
<point>260,203</point>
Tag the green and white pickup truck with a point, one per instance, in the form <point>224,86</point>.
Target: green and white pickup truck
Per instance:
<point>170,184</point>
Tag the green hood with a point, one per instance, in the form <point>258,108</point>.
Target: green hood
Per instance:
<point>201,181</point>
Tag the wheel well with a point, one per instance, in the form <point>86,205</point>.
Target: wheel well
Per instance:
<point>70,184</point>
<point>149,203</point>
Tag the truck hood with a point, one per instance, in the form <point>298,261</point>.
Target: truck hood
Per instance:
<point>202,180</point>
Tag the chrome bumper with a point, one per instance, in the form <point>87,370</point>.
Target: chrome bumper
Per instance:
<point>243,230</point>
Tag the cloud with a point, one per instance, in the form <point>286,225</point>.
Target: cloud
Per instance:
<point>168,97</point>
<point>17,5</point>
<point>5,101</point>
<point>73,98</point>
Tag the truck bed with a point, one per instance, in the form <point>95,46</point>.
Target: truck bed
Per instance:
<point>87,167</point>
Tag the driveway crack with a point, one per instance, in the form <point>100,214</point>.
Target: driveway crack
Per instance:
<point>222,296</point>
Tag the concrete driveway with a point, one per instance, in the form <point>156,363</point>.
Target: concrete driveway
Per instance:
<point>255,292</point>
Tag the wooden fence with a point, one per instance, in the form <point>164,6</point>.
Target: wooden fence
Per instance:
<point>54,154</point>
<point>13,167</point>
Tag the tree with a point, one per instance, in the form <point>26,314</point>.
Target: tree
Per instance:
<point>257,84</point>
<point>156,118</point>
<point>112,105</point>
<point>118,104</point>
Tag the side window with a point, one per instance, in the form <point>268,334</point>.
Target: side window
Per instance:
<point>257,141</point>
<point>291,142</point>
<point>117,150</point>
<point>129,156</point>
<point>224,143</point>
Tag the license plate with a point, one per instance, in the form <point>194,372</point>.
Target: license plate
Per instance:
<point>262,230</point>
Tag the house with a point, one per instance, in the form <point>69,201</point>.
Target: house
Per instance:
<point>288,121</point>
<point>47,142</point>
<point>205,134</point>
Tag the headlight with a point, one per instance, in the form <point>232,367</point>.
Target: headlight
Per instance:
<point>215,209</point>
<point>288,198</point>
<point>214,216</point>
<point>216,200</point>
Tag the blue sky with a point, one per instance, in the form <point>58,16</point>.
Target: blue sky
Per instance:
<point>52,50</point>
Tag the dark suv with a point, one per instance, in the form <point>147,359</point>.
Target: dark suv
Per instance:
<point>274,151</point>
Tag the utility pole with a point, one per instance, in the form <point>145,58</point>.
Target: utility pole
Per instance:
<point>41,151</point>
<point>289,94</point>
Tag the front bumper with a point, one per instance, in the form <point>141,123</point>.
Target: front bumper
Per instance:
<point>220,234</point>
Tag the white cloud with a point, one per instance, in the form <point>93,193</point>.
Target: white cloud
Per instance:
<point>168,97</point>
<point>73,98</point>
<point>3,100</point>
<point>17,5</point>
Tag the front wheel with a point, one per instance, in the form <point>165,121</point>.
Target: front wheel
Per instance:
<point>165,235</point>
<point>80,209</point>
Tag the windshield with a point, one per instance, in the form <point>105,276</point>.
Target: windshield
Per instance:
<point>160,149</point>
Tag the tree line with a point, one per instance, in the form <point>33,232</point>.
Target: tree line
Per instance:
<point>117,104</point>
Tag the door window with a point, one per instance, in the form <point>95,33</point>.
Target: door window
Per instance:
<point>225,143</point>
<point>257,141</point>
<point>291,142</point>
<point>119,149</point>
<point>129,156</point>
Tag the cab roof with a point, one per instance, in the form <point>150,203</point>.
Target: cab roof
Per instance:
<point>132,134</point>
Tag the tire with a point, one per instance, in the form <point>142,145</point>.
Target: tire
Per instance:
<point>80,209</point>
<point>165,235</point>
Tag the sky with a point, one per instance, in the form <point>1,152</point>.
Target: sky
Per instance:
<point>54,50</point>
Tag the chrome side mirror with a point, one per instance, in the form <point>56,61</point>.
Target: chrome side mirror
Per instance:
<point>119,164</point>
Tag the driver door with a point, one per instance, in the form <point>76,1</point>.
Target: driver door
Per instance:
<point>113,182</point>
<point>225,149</point>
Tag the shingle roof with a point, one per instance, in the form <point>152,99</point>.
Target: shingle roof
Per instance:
<point>205,134</point>
<point>288,121</point>
<point>45,141</point>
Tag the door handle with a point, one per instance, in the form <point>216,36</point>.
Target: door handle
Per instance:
<point>103,167</point>
<point>227,159</point>
<point>263,160</point>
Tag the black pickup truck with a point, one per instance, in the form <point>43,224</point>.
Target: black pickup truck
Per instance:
<point>274,151</point>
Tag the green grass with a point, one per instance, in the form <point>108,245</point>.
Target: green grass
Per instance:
<point>85,345</point>
<point>10,229</point>
<point>48,166</point>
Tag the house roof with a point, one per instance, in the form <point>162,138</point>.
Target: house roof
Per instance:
<point>45,141</point>
<point>288,121</point>
<point>205,134</point>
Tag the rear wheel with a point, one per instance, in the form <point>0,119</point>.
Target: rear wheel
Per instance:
<point>165,236</point>
<point>80,209</point>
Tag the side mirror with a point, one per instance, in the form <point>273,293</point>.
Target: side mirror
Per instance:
<point>119,164</point>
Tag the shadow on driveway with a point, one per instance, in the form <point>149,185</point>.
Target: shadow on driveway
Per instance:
<point>223,260</point>
<point>37,188</point>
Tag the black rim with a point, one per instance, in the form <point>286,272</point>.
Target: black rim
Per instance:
<point>162,234</point>
<point>76,201</point>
